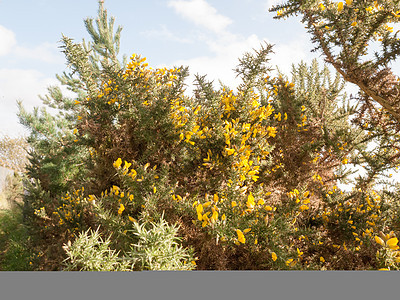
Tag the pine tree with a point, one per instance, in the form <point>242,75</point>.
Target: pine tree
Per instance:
<point>57,162</point>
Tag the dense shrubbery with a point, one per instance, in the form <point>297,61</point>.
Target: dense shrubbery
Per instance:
<point>243,178</point>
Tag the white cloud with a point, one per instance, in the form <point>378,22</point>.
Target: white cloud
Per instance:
<point>46,52</point>
<point>7,40</point>
<point>225,55</point>
<point>19,84</point>
<point>165,34</point>
<point>227,47</point>
<point>224,58</point>
<point>270,3</point>
<point>202,14</point>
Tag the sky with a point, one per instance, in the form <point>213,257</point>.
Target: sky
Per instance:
<point>207,35</point>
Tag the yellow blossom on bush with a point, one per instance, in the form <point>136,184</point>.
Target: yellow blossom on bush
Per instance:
<point>379,241</point>
<point>290,262</point>
<point>121,209</point>
<point>199,208</point>
<point>392,243</point>
<point>117,163</point>
<point>274,257</point>
<point>250,201</point>
<point>241,237</point>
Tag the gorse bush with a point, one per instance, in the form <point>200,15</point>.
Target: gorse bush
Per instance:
<point>90,252</point>
<point>244,178</point>
<point>158,248</point>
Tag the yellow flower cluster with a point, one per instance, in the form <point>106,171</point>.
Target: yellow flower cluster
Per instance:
<point>125,169</point>
<point>367,212</point>
<point>210,217</point>
<point>302,199</point>
<point>390,252</point>
<point>71,208</point>
<point>389,241</point>
<point>302,126</point>
<point>136,64</point>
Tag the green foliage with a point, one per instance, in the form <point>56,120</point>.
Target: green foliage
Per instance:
<point>15,244</point>
<point>248,177</point>
<point>357,39</point>
<point>89,252</point>
<point>158,248</point>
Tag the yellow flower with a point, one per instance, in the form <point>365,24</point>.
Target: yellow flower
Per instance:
<point>241,237</point>
<point>230,151</point>
<point>303,207</point>
<point>127,165</point>
<point>121,209</point>
<point>274,257</point>
<point>321,259</point>
<point>133,174</point>
<point>349,2</point>
<point>207,204</point>
<point>234,203</point>
<point>214,215</point>
<point>392,243</point>
<point>271,131</point>
<point>321,6</point>
<point>215,198</point>
<point>299,253</point>
<point>379,241</point>
<point>354,23</point>
<point>290,262</point>
<point>199,208</point>
<point>340,6</point>
<point>117,163</point>
<point>250,201</point>
<point>131,219</point>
